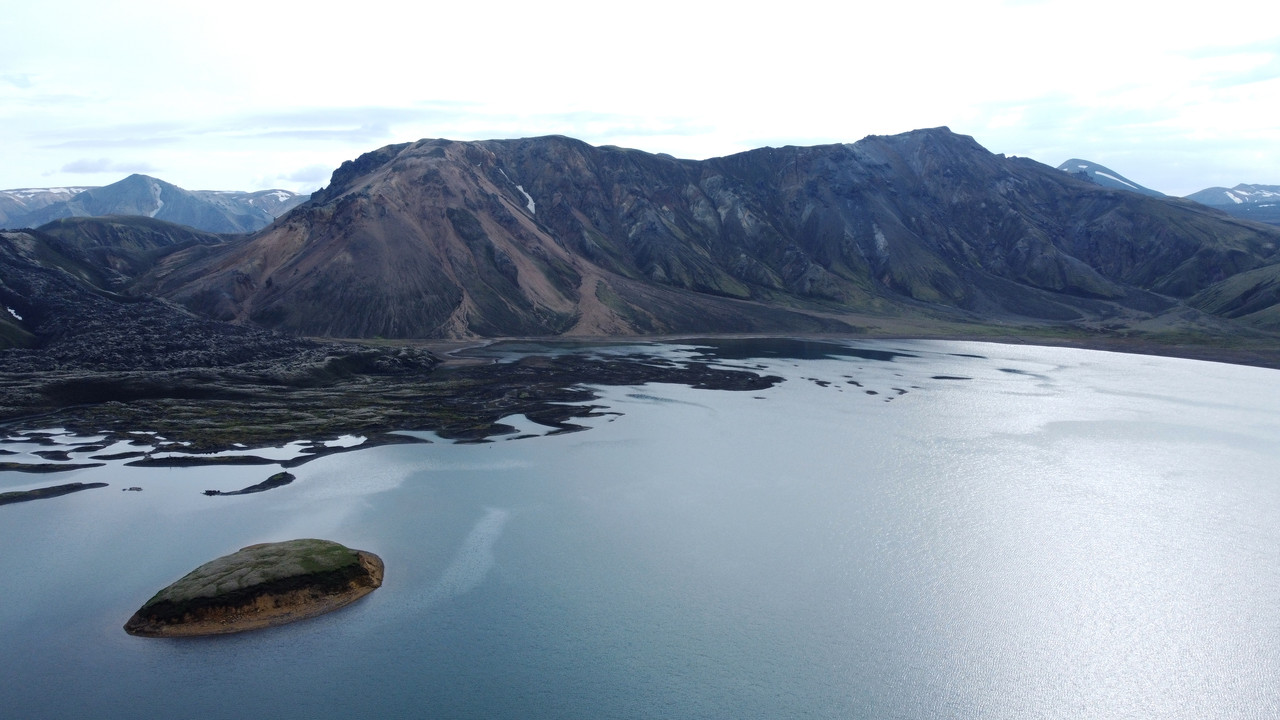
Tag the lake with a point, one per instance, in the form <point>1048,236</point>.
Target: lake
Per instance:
<point>899,529</point>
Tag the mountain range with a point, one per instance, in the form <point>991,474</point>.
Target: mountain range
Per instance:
<point>1260,203</point>
<point>552,236</point>
<point>1251,202</point>
<point>22,202</point>
<point>208,210</point>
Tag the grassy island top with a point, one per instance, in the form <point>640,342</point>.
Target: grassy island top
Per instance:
<point>258,565</point>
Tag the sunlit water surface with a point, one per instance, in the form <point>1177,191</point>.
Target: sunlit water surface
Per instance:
<point>996,532</point>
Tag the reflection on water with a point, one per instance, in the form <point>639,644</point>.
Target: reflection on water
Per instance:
<point>473,560</point>
<point>1065,534</point>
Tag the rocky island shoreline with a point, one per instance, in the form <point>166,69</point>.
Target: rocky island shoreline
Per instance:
<point>260,586</point>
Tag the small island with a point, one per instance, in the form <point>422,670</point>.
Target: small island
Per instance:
<point>44,492</point>
<point>259,586</point>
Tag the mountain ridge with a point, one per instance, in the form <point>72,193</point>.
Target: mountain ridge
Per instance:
<point>1249,201</point>
<point>548,236</point>
<point>140,195</point>
<point>552,236</point>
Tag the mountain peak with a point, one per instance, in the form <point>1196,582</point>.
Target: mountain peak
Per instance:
<point>1104,176</point>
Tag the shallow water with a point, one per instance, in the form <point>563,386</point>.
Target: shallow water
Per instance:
<point>1063,533</point>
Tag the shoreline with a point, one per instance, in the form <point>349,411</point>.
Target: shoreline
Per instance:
<point>461,398</point>
<point>452,352</point>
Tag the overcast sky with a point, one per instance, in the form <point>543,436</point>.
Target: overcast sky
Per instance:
<point>249,95</point>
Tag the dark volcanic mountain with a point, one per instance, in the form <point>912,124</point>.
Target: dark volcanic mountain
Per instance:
<point>60,299</point>
<point>126,245</point>
<point>1260,203</point>
<point>551,235</point>
<point>67,339</point>
<point>207,210</point>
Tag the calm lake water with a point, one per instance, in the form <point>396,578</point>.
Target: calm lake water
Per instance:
<point>996,532</point>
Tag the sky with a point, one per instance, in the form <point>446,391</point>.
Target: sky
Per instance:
<point>251,95</point>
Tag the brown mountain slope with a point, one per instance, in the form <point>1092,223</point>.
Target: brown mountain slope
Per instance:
<point>433,241</point>
<point>550,235</point>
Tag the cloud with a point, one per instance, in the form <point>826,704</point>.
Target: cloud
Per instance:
<point>338,115</point>
<point>1253,69</point>
<point>116,136</point>
<point>358,125</point>
<point>103,165</point>
<point>362,134</point>
<point>21,81</point>
<point>1200,52</point>
<point>310,174</point>
<point>1051,79</point>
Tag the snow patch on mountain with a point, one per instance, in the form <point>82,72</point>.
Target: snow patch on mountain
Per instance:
<point>1104,176</point>
<point>155,195</point>
<point>528,198</point>
<point>1113,177</point>
<point>28,193</point>
<point>882,243</point>
<point>1241,194</point>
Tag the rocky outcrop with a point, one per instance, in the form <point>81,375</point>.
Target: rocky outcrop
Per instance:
<point>260,586</point>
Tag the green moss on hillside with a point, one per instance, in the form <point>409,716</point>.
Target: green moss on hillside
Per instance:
<point>257,566</point>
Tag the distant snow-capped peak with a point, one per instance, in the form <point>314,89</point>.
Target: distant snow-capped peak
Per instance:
<point>1105,176</point>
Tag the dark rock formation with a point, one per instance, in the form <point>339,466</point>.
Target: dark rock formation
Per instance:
<point>280,479</point>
